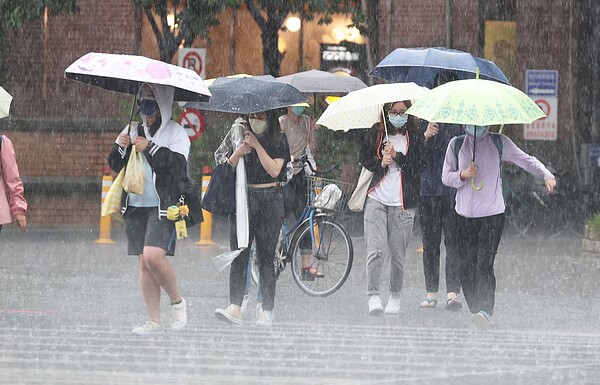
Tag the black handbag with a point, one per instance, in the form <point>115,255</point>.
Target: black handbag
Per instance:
<point>219,197</point>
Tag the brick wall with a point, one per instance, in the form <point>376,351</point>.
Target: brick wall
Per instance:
<point>59,126</point>
<point>37,56</point>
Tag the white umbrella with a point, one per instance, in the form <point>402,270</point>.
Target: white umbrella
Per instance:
<point>126,73</point>
<point>362,108</point>
<point>5,100</point>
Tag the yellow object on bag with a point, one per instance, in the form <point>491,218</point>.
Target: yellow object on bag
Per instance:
<point>133,181</point>
<point>172,213</point>
<point>181,229</point>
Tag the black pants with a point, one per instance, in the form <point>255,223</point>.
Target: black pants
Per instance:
<point>437,215</point>
<point>265,210</point>
<point>478,241</point>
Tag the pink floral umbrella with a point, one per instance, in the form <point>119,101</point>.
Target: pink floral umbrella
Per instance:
<point>125,73</point>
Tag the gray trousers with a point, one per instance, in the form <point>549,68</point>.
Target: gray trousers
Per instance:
<point>387,231</point>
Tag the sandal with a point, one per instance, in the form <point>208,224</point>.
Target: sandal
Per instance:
<point>429,302</point>
<point>309,273</point>
<point>453,304</point>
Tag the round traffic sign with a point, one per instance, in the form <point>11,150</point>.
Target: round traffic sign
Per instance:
<point>192,60</point>
<point>193,123</point>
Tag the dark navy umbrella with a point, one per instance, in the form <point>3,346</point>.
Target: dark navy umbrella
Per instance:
<point>248,95</point>
<point>422,65</point>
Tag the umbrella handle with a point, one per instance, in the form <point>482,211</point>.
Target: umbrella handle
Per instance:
<point>476,188</point>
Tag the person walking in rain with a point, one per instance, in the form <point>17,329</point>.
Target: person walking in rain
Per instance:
<point>150,235</point>
<point>437,215</point>
<point>436,212</point>
<point>266,152</point>
<point>13,205</point>
<point>298,129</point>
<point>393,151</point>
<point>480,207</point>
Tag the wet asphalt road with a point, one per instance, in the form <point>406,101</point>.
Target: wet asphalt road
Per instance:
<point>67,306</point>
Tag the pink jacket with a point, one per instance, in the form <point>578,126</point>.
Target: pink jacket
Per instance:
<point>12,200</point>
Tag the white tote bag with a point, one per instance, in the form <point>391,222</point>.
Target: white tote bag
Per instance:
<point>359,196</point>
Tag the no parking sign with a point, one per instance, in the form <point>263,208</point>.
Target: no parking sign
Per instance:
<point>193,123</point>
<point>542,87</point>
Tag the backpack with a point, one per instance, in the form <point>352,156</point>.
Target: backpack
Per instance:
<point>496,138</point>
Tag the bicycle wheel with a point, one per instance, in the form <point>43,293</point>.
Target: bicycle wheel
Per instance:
<point>331,255</point>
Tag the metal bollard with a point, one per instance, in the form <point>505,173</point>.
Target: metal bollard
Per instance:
<point>105,222</point>
<point>206,225</point>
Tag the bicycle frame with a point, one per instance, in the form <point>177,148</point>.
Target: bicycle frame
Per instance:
<point>308,214</point>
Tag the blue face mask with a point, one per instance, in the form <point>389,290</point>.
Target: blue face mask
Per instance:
<point>147,106</point>
<point>474,130</point>
<point>297,110</point>
<point>398,120</point>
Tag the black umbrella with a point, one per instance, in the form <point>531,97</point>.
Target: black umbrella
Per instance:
<point>248,95</point>
<point>422,65</point>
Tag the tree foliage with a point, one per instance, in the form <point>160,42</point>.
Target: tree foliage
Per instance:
<point>193,18</point>
<point>269,15</point>
<point>13,14</point>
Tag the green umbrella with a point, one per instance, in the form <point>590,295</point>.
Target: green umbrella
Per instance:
<point>479,102</point>
<point>476,101</point>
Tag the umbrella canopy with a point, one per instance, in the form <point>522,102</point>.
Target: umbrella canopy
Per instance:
<point>209,82</point>
<point>421,65</point>
<point>322,82</point>
<point>362,108</point>
<point>248,95</point>
<point>5,100</point>
<point>125,73</point>
<point>476,101</point>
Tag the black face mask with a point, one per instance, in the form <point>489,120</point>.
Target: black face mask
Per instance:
<point>147,106</point>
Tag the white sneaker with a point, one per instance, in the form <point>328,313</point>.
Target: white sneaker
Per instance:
<point>265,319</point>
<point>245,305</point>
<point>229,315</point>
<point>149,327</point>
<point>375,305</point>
<point>178,316</point>
<point>482,320</point>
<point>393,305</point>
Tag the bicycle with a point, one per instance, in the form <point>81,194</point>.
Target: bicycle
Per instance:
<point>331,251</point>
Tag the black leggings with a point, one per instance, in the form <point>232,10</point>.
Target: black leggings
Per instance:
<point>265,209</point>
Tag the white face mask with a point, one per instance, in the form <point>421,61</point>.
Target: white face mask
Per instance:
<point>258,126</point>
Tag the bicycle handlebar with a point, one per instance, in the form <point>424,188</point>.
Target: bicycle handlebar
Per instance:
<point>305,162</point>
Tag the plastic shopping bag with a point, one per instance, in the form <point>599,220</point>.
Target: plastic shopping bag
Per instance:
<point>133,181</point>
<point>112,202</point>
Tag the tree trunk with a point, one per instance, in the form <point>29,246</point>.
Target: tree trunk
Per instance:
<point>271,56</point>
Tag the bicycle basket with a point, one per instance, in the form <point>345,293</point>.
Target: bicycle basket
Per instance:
<point>327,194</point>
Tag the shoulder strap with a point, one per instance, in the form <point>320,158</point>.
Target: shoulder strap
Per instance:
<point>497,139</point>
<point>458,142</point>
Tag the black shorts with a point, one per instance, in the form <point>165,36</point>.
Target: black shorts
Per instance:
<point>143,228</point>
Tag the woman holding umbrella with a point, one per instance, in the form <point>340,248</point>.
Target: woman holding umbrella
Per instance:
<point>150,235</point>
<point>393,150</point>
<point>265,152</point>
<point>481,208</point>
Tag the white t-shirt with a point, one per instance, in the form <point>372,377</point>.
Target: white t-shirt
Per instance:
<point>389,189</point>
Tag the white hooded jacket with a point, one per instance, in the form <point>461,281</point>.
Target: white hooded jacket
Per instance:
<point>167,152</point>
